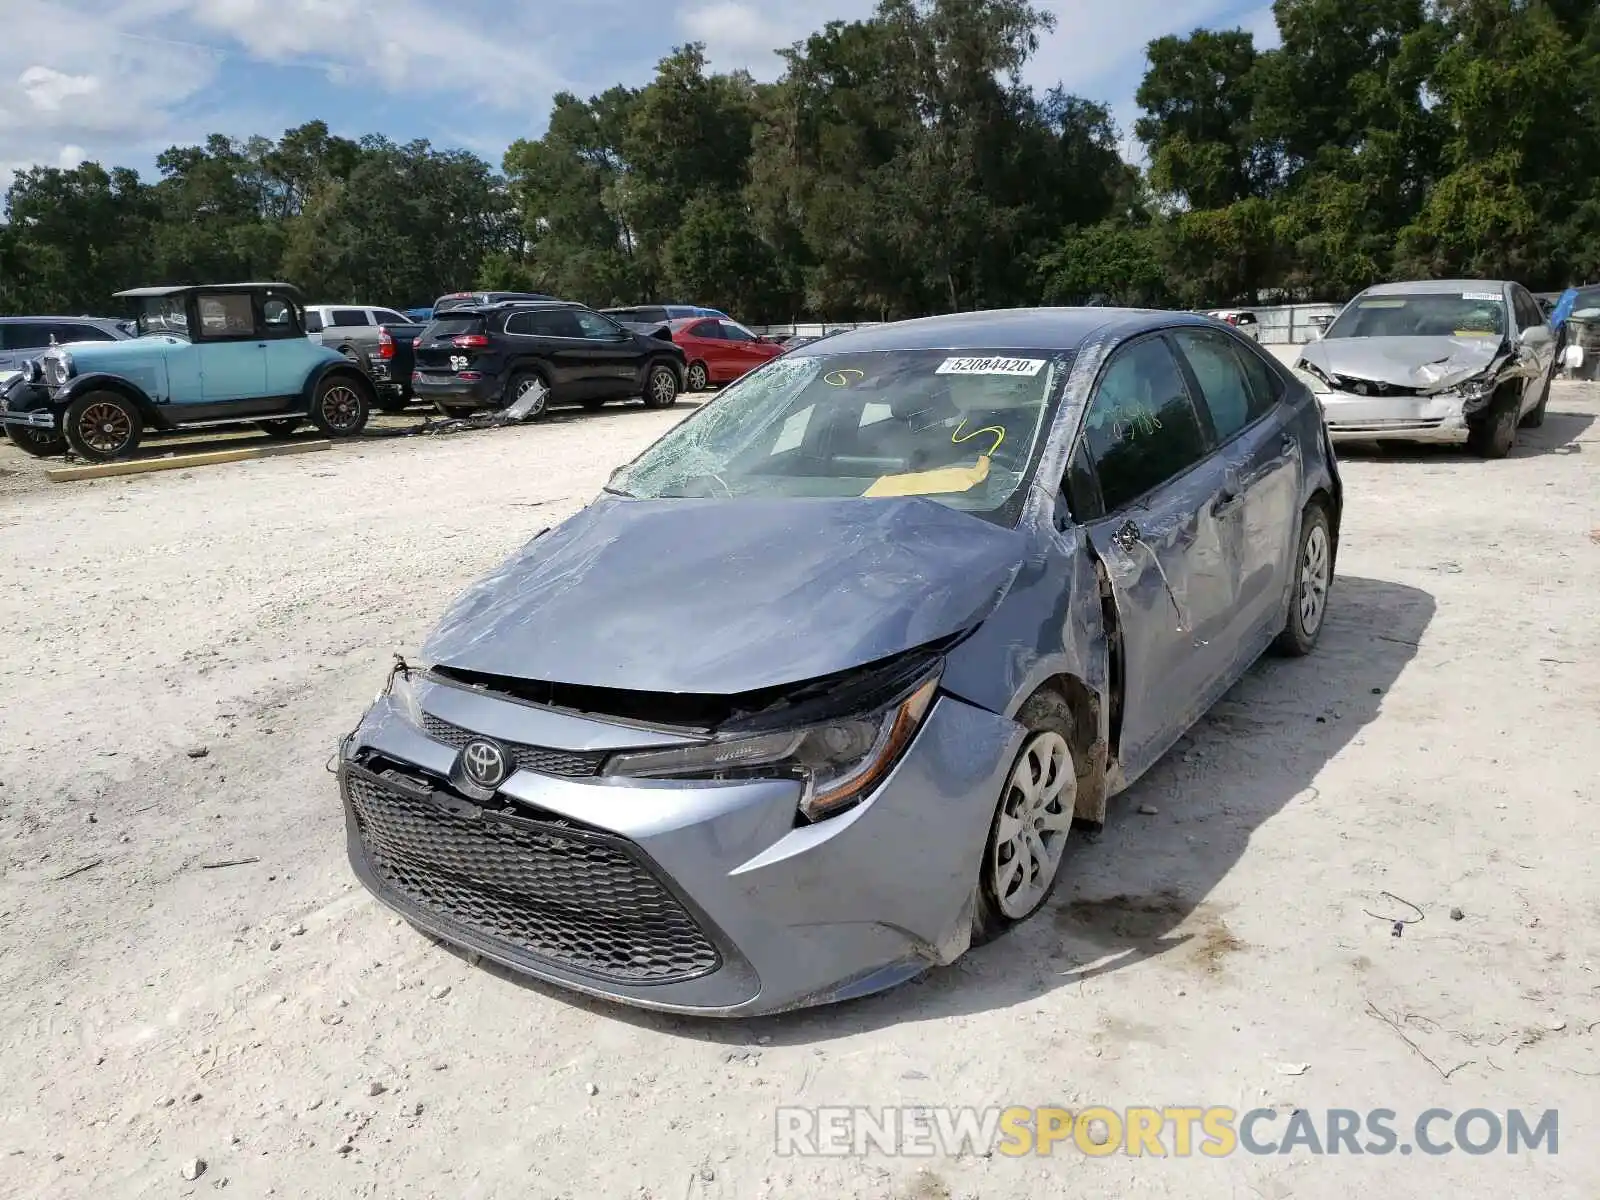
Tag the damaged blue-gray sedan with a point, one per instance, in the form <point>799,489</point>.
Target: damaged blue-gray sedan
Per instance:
<point>812,698</point>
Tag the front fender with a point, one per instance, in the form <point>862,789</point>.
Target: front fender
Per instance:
<point>101,381</point>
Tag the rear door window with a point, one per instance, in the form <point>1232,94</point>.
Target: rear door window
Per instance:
<point>23,335</point>
<point>707,329</point>
<point>554,322</point>
<point>1224,388</point>
<point>348,318</point>
<point>1141,427</point>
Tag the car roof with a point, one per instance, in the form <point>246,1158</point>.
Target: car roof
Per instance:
<point>1006,329</point>
<point>1433,287</point>
<point>184,288</point>
<point>23,317</point>
<point>494,306</point>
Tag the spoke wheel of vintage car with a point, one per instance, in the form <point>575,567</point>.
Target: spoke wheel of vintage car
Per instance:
<point>102,426</point>
<point>698,379</point>
<point>661,387</point>
<point>279,429</point>
<point>1313,580</point>
<point>1496,431</point>
<point>41,443</point>
<point>1022,860</point>
<point>531,390</point>
<point>341,406</point>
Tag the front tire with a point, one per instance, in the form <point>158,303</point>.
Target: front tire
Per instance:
<point>660,386</point>
<point>341,405</point>
<point>103,426</point>
<point>1494,436</point>
<point>1308,603</point>
<point>699,379</point>
<point>41,443</point>
<point>1022,857</point>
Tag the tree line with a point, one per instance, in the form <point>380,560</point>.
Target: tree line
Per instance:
<point>900,166</point>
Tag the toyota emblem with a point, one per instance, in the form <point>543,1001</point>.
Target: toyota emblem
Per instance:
<point>484,763</point>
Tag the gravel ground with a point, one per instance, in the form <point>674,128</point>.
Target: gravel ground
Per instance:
<point>184,649</point>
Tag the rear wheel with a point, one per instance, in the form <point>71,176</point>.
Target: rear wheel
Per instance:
<point>103,426</point>
<point>527,387</point>
<point>660,386</point>
<point>1308,604</point>
<point>341,405</point>
<point>1022,858</point>
<point>699,379</point>
<point>279,429</point>
<point>41,443</point>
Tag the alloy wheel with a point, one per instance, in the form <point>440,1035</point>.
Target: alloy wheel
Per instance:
<point>662,386</point>
<point>1035,819</point>
<point>535,386</point>
<point>1314,565</point>
<point>341,407</point>
<point>105,428</point>
<point>697,378</point>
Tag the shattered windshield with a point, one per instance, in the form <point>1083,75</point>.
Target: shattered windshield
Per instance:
<point>1442,314</point>
<point>163,315</point>
<point>959,428</point>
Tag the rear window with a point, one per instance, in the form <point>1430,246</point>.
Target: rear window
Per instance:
<point>449,327</point>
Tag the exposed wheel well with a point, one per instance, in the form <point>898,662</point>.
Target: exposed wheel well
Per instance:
<point>344,371</point>
<point>1088,747</point>
<point>1323,500</point>
<point>141,402</point>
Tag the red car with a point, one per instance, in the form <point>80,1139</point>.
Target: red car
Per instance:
<point>719,350</point>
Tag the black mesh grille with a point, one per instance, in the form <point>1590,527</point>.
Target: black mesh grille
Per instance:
<point>1371,387</point>
<point>571,763</point>
<point>566,895</point>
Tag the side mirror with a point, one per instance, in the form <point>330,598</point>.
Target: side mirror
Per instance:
<point>1536,335</point>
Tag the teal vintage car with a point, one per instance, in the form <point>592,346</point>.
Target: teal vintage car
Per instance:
<point>212,355</point>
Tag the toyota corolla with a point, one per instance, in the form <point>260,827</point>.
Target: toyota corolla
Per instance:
<point>811,699</point>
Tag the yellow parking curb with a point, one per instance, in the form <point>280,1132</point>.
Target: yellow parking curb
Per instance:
<point>178,462</point>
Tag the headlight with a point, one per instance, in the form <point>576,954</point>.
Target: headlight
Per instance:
<point>1313,377</point>
<point>839,760</point>
<point>1473,390</point>
<point>57,368</point>
<point>31,372</point>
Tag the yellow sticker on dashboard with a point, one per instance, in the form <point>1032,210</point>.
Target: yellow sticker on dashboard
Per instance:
<point>942,481</point>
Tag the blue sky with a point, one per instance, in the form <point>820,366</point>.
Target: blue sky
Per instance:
<point>119,80</point>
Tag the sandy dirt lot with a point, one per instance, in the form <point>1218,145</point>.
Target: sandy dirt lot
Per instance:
<point>183,650</point>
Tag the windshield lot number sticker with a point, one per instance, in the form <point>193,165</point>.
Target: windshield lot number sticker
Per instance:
<point>1481,296</point>
<point>1026,367</point>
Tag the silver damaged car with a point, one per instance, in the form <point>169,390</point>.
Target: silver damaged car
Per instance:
<point>811,699</point>
<point>1457,362</point>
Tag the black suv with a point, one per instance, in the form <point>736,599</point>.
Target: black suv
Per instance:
<point>493,355</point>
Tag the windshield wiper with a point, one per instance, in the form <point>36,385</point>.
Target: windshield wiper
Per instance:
<point>611,491</point>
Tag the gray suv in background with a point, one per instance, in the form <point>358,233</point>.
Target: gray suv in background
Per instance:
<point>22,338</point>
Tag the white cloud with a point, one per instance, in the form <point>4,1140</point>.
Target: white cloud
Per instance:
<point>748,33</point>
<point>48,88</point>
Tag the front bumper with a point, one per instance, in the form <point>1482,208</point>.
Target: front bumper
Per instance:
<point>682,896</point>
<point>38,418</point>
<point>448,388</point>
<point>1351,418</point>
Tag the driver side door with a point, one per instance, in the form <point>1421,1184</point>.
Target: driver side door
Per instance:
<point>616,359</point>
<point>1159,535</point>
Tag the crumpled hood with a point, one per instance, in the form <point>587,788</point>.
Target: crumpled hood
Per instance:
<point>1426,363</point>
<point>718,597</point>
